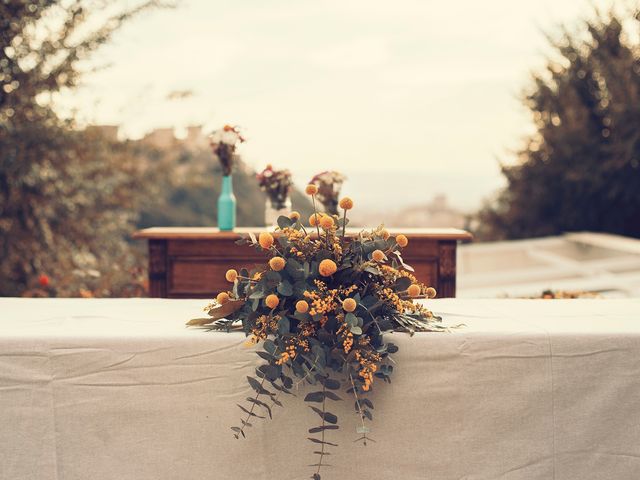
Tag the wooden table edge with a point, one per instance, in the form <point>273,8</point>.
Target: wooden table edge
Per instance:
<point>203,233</point>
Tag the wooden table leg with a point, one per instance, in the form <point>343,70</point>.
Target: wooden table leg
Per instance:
<point>157,268</point>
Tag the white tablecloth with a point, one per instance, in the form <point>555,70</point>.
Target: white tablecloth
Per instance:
<point>120,389</point>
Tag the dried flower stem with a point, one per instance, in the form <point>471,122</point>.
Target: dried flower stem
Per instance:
<point>315,213</point>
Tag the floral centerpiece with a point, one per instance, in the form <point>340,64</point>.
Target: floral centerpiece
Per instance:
<point>224,143</point>
<point>329,184</point>
<point>277,185</point>
<point>320,308</point>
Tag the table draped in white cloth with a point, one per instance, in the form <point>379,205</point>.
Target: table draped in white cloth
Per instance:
<point>121,389</point>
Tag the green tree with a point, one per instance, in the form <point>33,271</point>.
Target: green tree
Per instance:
<point>580,170</point>
<point>64,194</point>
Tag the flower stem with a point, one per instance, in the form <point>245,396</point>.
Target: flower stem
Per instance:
<point>324,401</point>
<point>315,213</point>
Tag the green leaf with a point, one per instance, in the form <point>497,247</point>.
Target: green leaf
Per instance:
<point>283,326</point>
<point>356,330</point>
<point>326,416</point>
<point>331,395</point>
<point>272,278</point>
<point>248,412</point>
<point>315,440</point>
<point>271,372</point>
<point>257,386</point>
<point>402,284</point>
<point>372,269</point>
<point>270,346</point>
<point>317,397</point>
<point>257,293</point>
<point>325,427</point>
<point>262,404</point>
<point>265,355</point>
<point>284,222</point>
<point>285,289</point>
<point>330,383</point>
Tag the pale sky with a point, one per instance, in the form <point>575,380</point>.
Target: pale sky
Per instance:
<point>421,95</point>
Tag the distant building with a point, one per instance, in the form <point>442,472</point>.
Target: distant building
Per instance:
<point>196,139</point>
<point>110,132</point>
<point>160,138</point>
<point>166,138</point>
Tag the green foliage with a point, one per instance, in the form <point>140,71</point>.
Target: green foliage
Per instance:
<point>581,169</point>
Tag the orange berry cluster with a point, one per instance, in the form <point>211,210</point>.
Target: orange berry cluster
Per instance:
<point>367,368</point>
<point>389,296</point>
<point>288,354</point>
<point>347,343</point>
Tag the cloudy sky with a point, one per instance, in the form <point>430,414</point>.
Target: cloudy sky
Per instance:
<point>413,97</point>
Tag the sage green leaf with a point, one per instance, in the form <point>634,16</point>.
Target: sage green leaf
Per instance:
<point>285,289</point>
<point>314,397</point>
<point>284,222</point>
<point>315,440</point>
<point>402,284</point>
<point>325,427</point>
<point>270,346</point>
<point>283,326</point>
<point>356,330</point>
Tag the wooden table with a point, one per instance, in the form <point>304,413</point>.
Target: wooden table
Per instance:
<point>190,262</point>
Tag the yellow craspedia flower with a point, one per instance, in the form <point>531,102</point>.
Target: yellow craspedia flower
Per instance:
<point>402,240</point>
<point>326,222</point>
<point>265,240</point>
<point>295,216</point>
<point>349,304</point>
<point>314,219</point>
<point>277,263</point>
<point>222,298</point>
<point>272,301</point>
<point>385,234</point>
<point>413,290</point>
<point>327,267</point>
<point>302,306</point>
<point>430,292</point>
<point>311,189</point>
<point>231,275</point>
<point>377,255</point>
<point>346,203</point>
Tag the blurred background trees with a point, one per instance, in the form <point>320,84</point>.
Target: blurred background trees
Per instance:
<point>580,170</point>
<point>69,197</point>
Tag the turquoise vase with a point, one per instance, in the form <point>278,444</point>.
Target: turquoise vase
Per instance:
<point>227,205</point>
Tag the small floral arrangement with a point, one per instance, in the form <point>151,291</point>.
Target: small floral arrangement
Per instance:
<point>320,308</point>
<point>276,184</point>
<point>223,143</point>
<point>329,185</point>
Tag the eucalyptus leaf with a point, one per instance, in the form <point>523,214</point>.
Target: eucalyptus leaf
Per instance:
<point>284,222</point>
